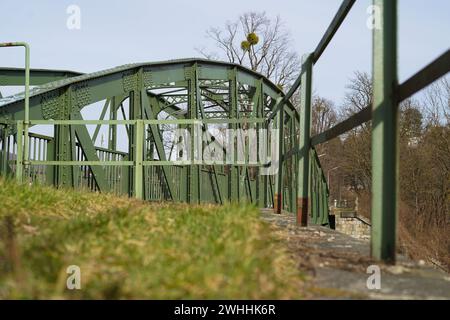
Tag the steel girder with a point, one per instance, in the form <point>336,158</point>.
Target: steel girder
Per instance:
<point>178,89</point>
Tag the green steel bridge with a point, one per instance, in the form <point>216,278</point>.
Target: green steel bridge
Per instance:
<point>141,104</point>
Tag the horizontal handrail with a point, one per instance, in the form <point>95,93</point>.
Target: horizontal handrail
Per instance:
<point>348,124</point>
<point>132,122</point>
<point>81,163</point>
<point>48,138</point>
<point>285,98</point>
<point>40,136</point>
<point>131,163</point>
<point>120,153</point>
<point>432,72</point>
<point>340,16</point>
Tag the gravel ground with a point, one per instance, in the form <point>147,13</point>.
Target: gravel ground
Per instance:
<point>336,265</point>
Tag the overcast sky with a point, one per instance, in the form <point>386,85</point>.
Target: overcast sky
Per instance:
<point>119,32</point>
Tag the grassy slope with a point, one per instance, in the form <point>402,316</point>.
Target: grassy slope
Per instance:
<point>131,249</point>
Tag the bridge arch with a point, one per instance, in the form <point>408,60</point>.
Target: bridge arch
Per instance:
<point>229,95</point>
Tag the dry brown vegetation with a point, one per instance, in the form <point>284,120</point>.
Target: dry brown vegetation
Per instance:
<point>424,151</point>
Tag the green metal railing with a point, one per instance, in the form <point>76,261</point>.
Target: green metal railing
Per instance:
<point>113,161</point>
<point>241,99</point>
<point>299,185</point>
<point>319,192</point>
<point>25,124</point>
<point>383,113</point>
<point>149,181</point>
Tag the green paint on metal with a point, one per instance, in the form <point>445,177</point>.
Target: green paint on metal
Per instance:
<point>25,161</point>
<point>202,92</point>
<point>384,133</point>
<point>138,158</point>
<point>72,159</point>
<point>278,205</point>
<point>304,141</point>
<point>157,138</point>
<point>19,159</point>
<point>90,153</point>
<point>102,116</point>
<point>14,76</point>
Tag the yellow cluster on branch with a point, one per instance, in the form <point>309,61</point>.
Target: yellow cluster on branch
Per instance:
<point>252,39</point>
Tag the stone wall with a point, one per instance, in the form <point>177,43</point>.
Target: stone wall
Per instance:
<point>351,224</point>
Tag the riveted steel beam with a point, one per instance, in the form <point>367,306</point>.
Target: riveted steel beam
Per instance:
<point>227,87</point>
<point>14,76</point>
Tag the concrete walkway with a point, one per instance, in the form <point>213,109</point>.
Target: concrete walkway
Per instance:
<point>336,265</point>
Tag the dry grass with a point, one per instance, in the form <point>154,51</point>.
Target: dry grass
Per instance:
<point>424,242</point>
<point>418,239</point>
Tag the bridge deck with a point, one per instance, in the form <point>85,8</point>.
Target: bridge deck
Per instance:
<point>337,265</point>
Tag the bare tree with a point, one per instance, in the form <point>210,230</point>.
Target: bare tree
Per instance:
<point>360,92</point>
<point>358,97</point>
<point>437,102</point>
<point>323,116</point>
<point>259,43</point>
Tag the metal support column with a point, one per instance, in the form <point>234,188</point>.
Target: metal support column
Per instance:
<point>304,141</point>
<point>138,158</point>
<point>194,186</point>
<point>384,133</point>
<point>234,172</point>
<point>278,197</point>
<point>26,122</point>
<point>19,160</point>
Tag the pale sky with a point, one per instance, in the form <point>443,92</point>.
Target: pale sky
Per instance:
<point>119,32</point>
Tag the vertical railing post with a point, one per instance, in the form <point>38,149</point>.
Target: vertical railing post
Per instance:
<point>26,123</point>
<point>304,140</point>
<point>138,159</point>
<point>292,167</point>
<point>234,173</point>
<point>384,133</point>
<point>194,171</point>
<point>19,154</point>
<point>4,154</point>
<point>278,196</point>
